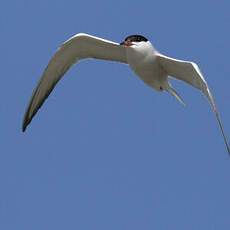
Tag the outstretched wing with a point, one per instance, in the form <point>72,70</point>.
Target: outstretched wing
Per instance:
<point>77,47</point>
<point>190,73</point>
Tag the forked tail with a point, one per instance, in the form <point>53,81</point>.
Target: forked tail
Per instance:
<point>173,92</point>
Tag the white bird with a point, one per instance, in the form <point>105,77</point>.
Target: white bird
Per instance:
<point>136,51</point>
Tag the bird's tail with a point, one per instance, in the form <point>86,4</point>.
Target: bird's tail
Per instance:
<point>173,92</point>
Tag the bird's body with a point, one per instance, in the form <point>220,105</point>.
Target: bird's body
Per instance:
<point>149,65</point>
<point>143,61</point>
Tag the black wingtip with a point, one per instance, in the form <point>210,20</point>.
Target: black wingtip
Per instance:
<point>24,126</point>
<point>25,123</point>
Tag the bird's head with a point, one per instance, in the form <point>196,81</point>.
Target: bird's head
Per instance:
<point>132,40</point>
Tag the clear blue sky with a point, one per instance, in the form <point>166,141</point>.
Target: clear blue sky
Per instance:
<point>105,151</point>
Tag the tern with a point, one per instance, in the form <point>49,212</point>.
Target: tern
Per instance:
<point>154,68</point>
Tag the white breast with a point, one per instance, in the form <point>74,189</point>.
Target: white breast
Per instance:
<point>142,60</point>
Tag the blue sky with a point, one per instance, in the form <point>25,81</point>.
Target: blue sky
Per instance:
<point>105,151</point>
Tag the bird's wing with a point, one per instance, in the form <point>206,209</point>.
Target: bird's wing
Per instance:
<point>191,74</point>
<point>77,47</point>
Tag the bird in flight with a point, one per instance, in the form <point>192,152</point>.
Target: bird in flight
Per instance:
<point>151,66</point>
